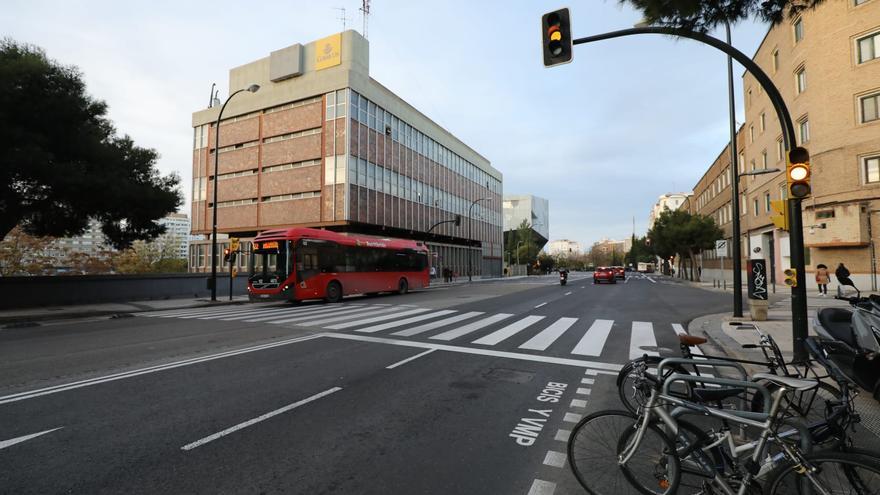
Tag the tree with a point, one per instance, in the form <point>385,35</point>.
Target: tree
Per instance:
<point>521,242</point>
<point>703,15</point>
<point>23,254</point>
<point>159,256</point>
<point>61,162</point>
<point>640,251</point>
<point>679,232</point>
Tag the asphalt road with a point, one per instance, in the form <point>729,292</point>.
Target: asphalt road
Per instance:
<point>460,390</point>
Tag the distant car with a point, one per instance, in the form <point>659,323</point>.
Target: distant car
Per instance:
<point>619,272</point>
<point>604,274</point>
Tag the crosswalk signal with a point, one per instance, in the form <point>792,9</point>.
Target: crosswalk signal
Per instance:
<point>226,254</point>
<point>790,277</point>
<point>780,216</point>
<point>798,176</point>
<point>556,37</point>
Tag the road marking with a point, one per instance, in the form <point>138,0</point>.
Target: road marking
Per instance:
<point>610,368</point>
<point>143,371</point>
<point>626,280</point>
<point>582,287</point>
<point>588,381</point>
<point>13,441</point>
<point>471,327</point>
<point>316,315</point>
<point>591,372</point>
<point>572,417</point>
<point>411,358</point>
<point>649,279</point>
<point>217,316</point>
<point>555,459</point>
<point>642,336</point>
<point>578,403</point>
<point>277,312</point>
<point>542,304</point>
<point>583,391</point>
<point>508,331</point>
<point>276,412</point>
<point>334,318</point>
<point>400,323</point>
<point>292,312</point>
<point>377,319</point>
<point>562,435</point>
<point>567,293</point>
<point>679,329</point>
<point>549,335</point>
<point>409,332</point>
<point>593,341</point>
<point>541,487</point>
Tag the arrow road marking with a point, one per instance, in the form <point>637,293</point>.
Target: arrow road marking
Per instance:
<point>10,443</point>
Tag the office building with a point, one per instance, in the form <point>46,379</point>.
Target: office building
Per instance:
<point>533,210</point>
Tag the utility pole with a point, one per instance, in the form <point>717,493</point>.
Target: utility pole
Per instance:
<point>734,190</point>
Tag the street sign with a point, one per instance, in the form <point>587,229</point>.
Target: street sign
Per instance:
<point>721,248</point>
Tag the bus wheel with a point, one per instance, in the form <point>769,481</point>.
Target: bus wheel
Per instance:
<point>402,286</point>
<point>334,292</point>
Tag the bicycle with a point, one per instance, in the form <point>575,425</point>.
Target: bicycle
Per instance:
<point>646,458</point>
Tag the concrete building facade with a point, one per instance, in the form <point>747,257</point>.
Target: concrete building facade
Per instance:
<point>324,145</point>
<point>564,247</point>
<point>532,209</point>
<point>670,201</point>
<point>826,64</point>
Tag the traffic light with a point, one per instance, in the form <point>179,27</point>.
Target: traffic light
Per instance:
<point>226,253</point>
<point>790,277</point>
<point>798,175</point>
<point>556,36</point>
<point>458,220</point>
<point>780,218</point>
<point>234,244</point>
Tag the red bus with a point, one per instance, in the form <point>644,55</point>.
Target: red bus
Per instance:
<point>299,263</point>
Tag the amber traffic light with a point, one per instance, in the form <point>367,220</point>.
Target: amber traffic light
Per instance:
<point>790,277</point>
<point>798,173</point>
<point>556,37</point>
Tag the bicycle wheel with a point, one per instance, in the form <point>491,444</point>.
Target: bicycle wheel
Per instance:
<point>809,405</point>
<point>597,441</point>
<point>835,473</point>
<point>633,398</point>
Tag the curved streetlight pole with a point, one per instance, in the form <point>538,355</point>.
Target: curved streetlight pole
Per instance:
<point>470,241</point>
<point>253,88</point>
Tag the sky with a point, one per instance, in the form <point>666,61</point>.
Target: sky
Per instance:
<point>601,138</point>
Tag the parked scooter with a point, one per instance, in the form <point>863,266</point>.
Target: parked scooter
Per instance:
<point>856,338</point>
<point>563,276</point>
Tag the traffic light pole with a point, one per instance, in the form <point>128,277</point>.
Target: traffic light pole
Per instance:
<point>796,235</point>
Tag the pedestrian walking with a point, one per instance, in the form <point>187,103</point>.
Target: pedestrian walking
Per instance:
<point>822,279</point>
<point>433,273</point>
<point>842,274</point>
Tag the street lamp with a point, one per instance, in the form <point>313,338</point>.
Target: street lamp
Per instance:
<point>253,88</point>
<point>470,241</point>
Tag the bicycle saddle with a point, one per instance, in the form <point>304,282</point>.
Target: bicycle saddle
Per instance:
<point>691,340</point>
<point>717,394</point>
<point>785,381</point>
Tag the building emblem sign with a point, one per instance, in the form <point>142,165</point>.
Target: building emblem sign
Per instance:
<point>328,52</point>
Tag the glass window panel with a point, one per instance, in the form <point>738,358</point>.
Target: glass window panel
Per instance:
<point>870,106</point>
<point>872,169</point>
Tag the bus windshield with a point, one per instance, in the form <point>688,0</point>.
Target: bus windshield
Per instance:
<point>271,263</point>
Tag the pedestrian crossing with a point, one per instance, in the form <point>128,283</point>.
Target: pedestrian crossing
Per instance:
<point>529,332</point>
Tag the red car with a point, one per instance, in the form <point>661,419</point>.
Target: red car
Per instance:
<point>619,272</point>
<point>604,274</point>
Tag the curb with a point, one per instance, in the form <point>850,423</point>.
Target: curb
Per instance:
<point>23,321</point>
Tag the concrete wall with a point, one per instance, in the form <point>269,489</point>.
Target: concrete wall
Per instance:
<point>23,292</point>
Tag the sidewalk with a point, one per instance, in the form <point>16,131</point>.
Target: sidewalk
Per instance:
<point>12,318</point>
<point>729,340</point>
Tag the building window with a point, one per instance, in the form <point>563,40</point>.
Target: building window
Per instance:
<point>804,130</point>
<point>767,202</point>
<point>775,60</point>
<point>798,30</point>
<point>870,107</point>
<point>869,47</point>
<point>824,214</point>
<point>749,98</point>
<point>751,134</point>
<point>859,2</point>
<point>763,121</point>
<point>800,77</point>
<point>764,159</point>
<point>780,149</point>
<point>755,207</point>
<point>752,168</point>
<point>872,169</point>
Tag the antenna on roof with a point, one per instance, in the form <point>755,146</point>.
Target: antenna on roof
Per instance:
<point>341,16</point>
<point>365,13</point>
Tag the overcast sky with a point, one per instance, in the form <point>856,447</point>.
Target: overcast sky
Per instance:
<point>600,138</point>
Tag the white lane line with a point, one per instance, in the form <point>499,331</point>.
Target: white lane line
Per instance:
<point>283,311</point>
<point>679,329</point>
<point>541,487</point>
<point>582,287</point>
<point>227,311</point>
<point>567,293</point>
<point>471,327</point>
<point>13,441</point>
<point>411,358</point>
<point>409,332</point>
<point>583,391</point>
<point>508,331</point>
<point>562,435</point>
<point>334,319</point>
<point>376,319</point>
<point>298,312</point>
<point>217,316</point>
<point>203,311</point>
<point>588,381</point>
<point>319,315</point>
<point>626,280</point>
<point>591,372</point>
<point>593,341</point>
<point>572,417</point>
<point>578,403</point>
<point>642,336</point>
<point>555,459</point>
<point>143,371</point>
<point>609,368</point>
<point>549,335</point>
<point>649,279</point>
<point>276,412</point>
<point>407,321</point>
<point>542,304</point>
